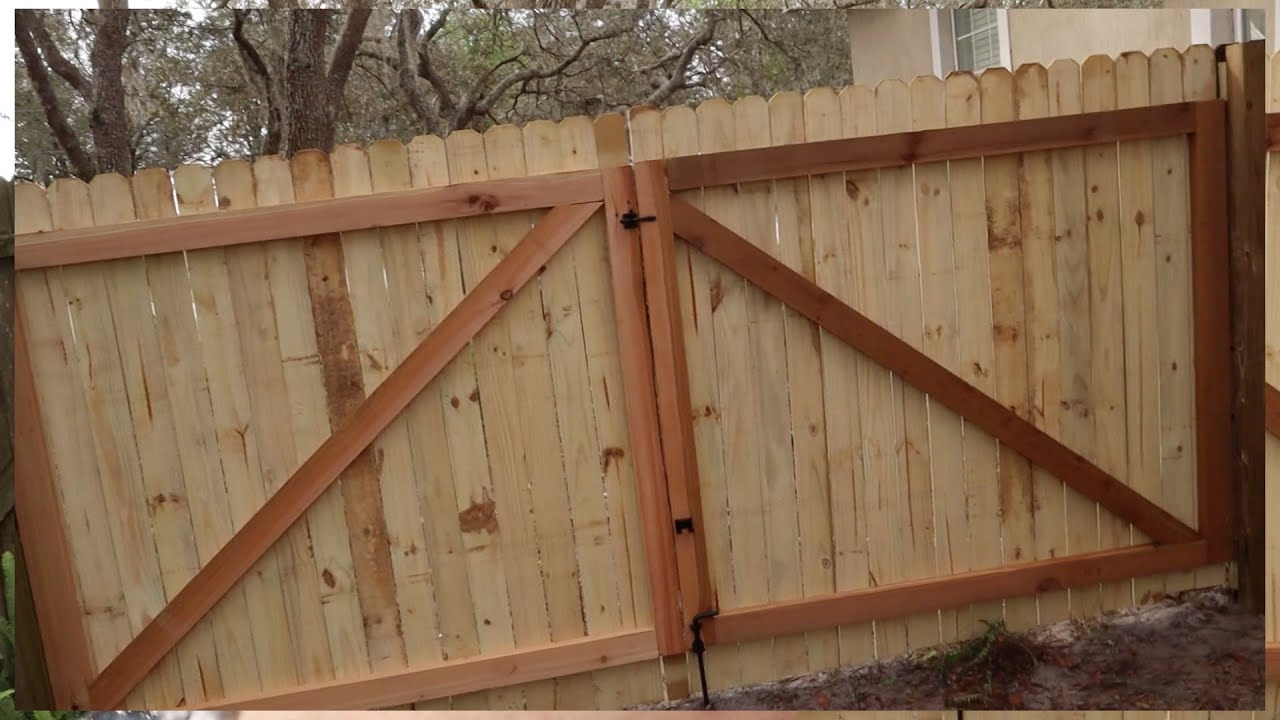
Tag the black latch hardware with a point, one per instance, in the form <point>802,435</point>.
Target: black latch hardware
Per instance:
<point>630,220</point>
<point>684,525</point>
<point>699,648</point>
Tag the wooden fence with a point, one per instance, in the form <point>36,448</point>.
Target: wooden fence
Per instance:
<point>462,424</point>
<point>1272,361</point>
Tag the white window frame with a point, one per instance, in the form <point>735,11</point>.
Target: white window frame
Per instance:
<point>1238,25</point>
<point>1201,27</point>
<point>939,42</point>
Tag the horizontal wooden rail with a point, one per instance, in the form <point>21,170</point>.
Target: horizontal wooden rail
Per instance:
<point>940,593</point>
<point>905,148</point>
<point>1273,131</point>
<point>1273,661</point>
<point>454,677</point>
<point>913,366</point>
<point>1273,410</point>
<point>303,219</point>
<point>333,456</point>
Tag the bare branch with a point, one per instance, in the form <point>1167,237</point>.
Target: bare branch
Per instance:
<point>53,113</point>
<point>53,56</point>
<point>344,54</point>
<point>408,73</point>
<point>677,80</point>
<point>427,70</point>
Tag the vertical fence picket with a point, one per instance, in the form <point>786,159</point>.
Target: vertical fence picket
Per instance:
<point>935,236</point>
<point>1102,205</point>
<point>976,351</point>
<point>792,206</point>
<point>905,319</point>
<point>42,302</point>
<point>879,417</point>
<point>394,465</point>
<point>1071,266</point>
<point>1009,332</point>
<point>477,620</point>
<point>1271,347</point>
<point>1138,265</point>
<point>178,489</point>
<point>1172,230</point>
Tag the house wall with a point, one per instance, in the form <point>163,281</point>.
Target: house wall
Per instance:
<point>889,44</point>
<point>1037,36</point>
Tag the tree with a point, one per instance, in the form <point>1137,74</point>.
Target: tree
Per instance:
<point>100,86</point>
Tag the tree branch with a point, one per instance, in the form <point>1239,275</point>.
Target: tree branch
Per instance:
<point>53,56</point>
<point>408,74</point>
<point>426,69</point>
<point>677,79</point>
<point>43,84</point>
<point>344,54</point>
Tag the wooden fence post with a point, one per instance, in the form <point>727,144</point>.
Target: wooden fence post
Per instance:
<point>1246,161</point>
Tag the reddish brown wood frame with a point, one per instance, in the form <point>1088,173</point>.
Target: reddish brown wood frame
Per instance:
<point>657,393</point>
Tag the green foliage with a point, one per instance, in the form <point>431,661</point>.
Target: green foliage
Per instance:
<point>8,645</point>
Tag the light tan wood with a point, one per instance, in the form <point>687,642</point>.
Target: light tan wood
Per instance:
<point>879,413</point>
<point>1009,333</point>
<point>309,481</point>
<point>897,148</point>
<point>461,676</point>
<point>1171,218</point>
<point>1138,264</point>
<point>976,350</point>
<point>1071,265</point>
<point>1106,308</point>
<point>916,595</point>
<point>918,369</point>
<point>791,120</point>
<point>171,466</point>
<point>905,320</point>
<point>938,316</point>
<point>191,388</point>
<point>237,226</point>
<point>53,583</point>
<point>1044,343</point>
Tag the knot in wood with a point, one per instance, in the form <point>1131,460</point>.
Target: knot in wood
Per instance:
<point>506,294</point>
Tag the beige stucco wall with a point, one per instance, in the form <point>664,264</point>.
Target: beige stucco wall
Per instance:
<point>1042,36</point>
<point>889,44</point>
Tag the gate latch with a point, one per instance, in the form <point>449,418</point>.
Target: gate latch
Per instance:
<point>699,647</point>
<point>631,221</point>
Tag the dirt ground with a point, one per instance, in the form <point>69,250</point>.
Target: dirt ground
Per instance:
<point>1196,651</point>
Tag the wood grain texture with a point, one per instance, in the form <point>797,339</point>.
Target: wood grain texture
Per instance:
<point>919,370</point>
<point>300,219</point>
<point>386,689</point>
<point>334,455</point>
<point>919,595</point>
<point>49,566</point>
<point>899,149</point>
<point>1272,402</point>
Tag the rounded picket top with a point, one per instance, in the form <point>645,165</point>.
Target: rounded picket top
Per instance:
<point>273,180</point>
<point>680,129</point>
<point>1200,74</point>
<point>193,186</point>
<point>963,99</point>
<point>822,116</point>
<point>858,111</point>
<point>112,197</point>
<point>1166,76</point>
<point>312,175</point>
<point>349,164</point>
<point>428,161</point>
<point>716,131</point>
<point>31,208</point>
<point>786,118</point>
<point>389,165</point>
<point>580,139</point>
<point>465,150</point>
<point>153,194</point>
<point>928,103</point>
<point>751,122</point>
<point>233,183</point>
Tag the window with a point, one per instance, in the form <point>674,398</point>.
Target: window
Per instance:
<point>1254,23</point>
<point>977,39</point>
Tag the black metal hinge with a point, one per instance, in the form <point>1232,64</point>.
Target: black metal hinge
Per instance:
<point>631,221</point>
<point>684,525</point>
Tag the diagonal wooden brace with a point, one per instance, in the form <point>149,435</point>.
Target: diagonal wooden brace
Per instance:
<point>913,366</point>
<point>360,429</point>
<point>1273,410</point>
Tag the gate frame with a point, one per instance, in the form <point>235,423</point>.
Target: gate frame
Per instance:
<point>638,197</point>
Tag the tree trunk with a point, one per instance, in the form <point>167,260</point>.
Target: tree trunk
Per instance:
<point>108,120</point>
<point>53,113</point>
<point>310,103</point>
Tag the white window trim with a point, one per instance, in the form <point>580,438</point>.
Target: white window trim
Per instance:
<point>1237,24</point>
<point>937,41</point>
<point>1201,27</point>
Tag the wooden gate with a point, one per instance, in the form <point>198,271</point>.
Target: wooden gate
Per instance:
<point>363,425</point>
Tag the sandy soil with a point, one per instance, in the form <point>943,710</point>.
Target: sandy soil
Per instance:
<point>1196,651</point>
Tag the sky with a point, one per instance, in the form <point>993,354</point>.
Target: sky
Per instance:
<point>7,64</point>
